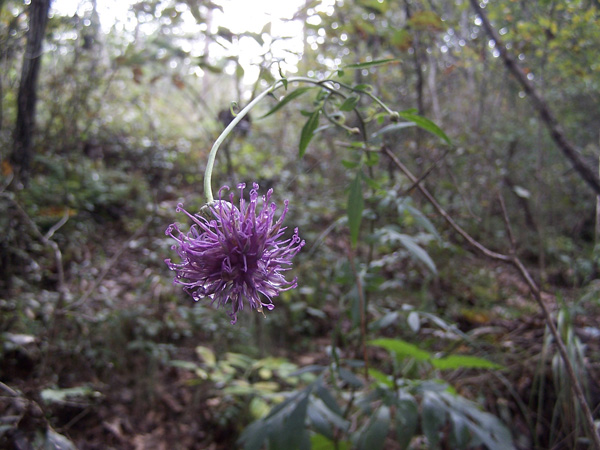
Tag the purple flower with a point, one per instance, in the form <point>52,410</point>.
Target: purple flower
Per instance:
<point>235,254</point>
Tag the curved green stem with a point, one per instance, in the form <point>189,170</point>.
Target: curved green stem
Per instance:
<point>213,151</point>
<point>279,83</point>
<point>376,99</point>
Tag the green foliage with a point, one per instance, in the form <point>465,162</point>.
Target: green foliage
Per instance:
<point>123,128</point>
<point>402,349</point>
<point>390,405</point>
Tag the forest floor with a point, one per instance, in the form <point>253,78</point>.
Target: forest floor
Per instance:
<point>131,397</point>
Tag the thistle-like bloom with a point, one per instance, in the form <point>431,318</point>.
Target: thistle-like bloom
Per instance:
<point>235,254</point>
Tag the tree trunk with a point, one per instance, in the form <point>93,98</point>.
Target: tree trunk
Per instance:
<point>27,96</point>
<point>418,60</point>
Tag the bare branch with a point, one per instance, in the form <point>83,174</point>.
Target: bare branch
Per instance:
<point>45,240</point>
<point>540,104</point>
<point>442,212</point>
<point>533,287</point>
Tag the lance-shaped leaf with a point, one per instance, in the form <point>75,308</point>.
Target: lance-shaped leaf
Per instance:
<point>366,65</point>
<point>355,208</point>
<point>425,124</point>
<point>285,100</point>
<point>308,131</point>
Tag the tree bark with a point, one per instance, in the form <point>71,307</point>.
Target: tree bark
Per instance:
<point>27,96</point>
<point>418,60</point>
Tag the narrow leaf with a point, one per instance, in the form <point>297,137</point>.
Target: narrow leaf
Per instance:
<point>425,124</point>
<point>464,362</point>
<point>377,430</point>
<point>319,422</point>
<point>379,62</point>
<point>393,127</point>
<point>433,418</point>
<point>416,251</point>
<point>254,436</point>
<point>285,100</point>
<point>381,377</point>
<point>363,87</point>
<point>294,423</point>
<point>350,378</point>
<point>355,208</point>
<point>407,417</point>
<point>308,131</point>
<point>328,399</point>
<point>401,348</point>
<point>390,234</point>
<point>350,103</point>
<point>414,322</point>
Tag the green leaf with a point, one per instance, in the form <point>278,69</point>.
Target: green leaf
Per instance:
<point>401,348</point>
<point>254,436</point>
<point>416,251</point>
<point>486,427</point>
<point>390,234</point>
<point>308,131</point>
<point>419,218</point>
<point>328,400</point>
<point>294,423</point>
<point>364,65</point>
<point>80,394</point>
<point>207,355</point>
<point>350,378</point>
<point>355,208</point>
<point>350,164</point>
<point>372,159</point>
<point>373,184</point>
<point>288,98</point>
<point>319,421</point>
<point>350,103</point>
<point>319,442</point>
<point>363,88</point>
<point>374,436</point>
<point>414,322</point>
<point>463,362</point>
<point>258,407</point>
<point>406,420</point>
<point>381,377</point>
<point>425,124</point>
<point>393,127</point>
<point>460,436</point>
<point>333,417</point>
<point>180,364</point>
<point>433,418</point>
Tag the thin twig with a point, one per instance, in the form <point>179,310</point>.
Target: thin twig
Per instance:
<point>9,390</point>
<point>425,174</point>
<point>46,240</point>
<point>533,287</point>
<point>442,212</point>
<point>511,236</point>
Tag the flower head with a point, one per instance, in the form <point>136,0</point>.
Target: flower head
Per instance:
<point>235,254</point>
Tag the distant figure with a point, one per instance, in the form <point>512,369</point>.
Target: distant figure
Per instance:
<point>242,128</point>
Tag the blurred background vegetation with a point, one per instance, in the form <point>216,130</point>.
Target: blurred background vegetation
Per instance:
<point>99,350</point>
